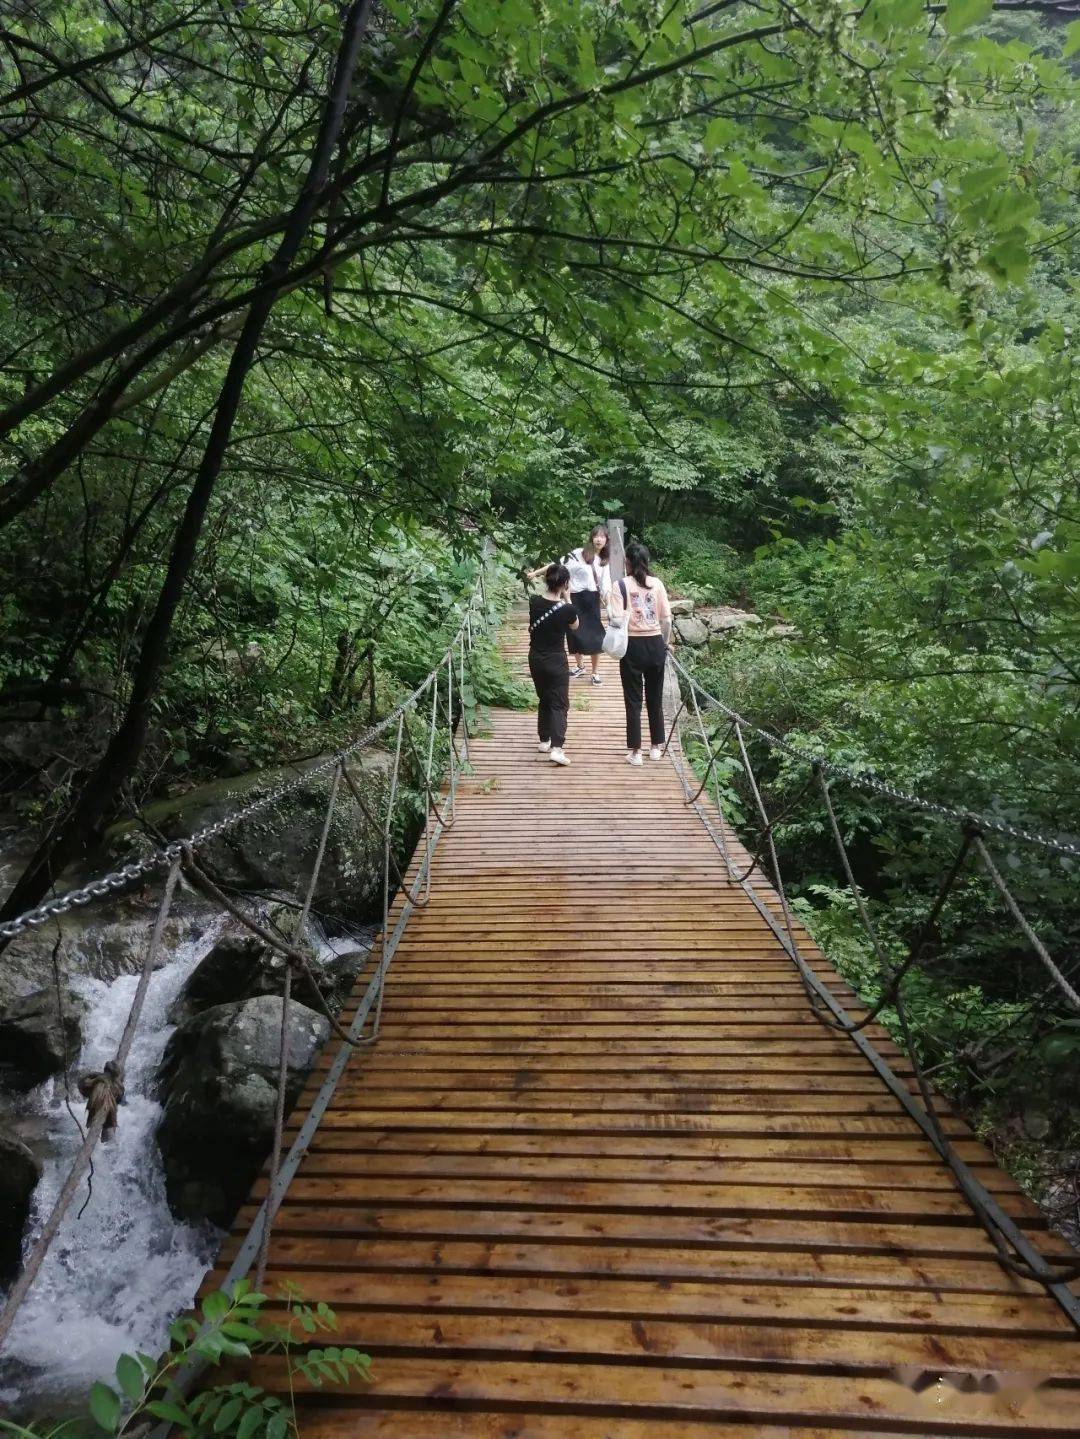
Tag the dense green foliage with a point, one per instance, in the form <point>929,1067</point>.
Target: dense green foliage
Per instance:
<point>787,285</point>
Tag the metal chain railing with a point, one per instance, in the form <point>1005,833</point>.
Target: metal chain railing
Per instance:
<point>1013,1249</point>
<point>181,858</point>
<point>987,824</point>
<point>123,879</point>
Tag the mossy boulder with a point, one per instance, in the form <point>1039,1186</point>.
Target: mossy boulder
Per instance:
<point>273,851</point>
<point>218,1081</point>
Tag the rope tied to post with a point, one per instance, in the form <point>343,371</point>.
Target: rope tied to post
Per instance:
<point>103,1091</point>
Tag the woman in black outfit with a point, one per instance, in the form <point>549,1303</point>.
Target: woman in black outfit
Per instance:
<point>590,581</point>
<point>551,618</point>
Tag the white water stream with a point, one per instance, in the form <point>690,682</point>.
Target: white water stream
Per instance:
<point>122,1269</point>
<point>114,1277</point>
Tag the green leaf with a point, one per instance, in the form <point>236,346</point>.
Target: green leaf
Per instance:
<point>215,1306</point>
<point>105,1407</point>
<point>718,132</point>
<point>252,1421</point>
<point>130,1375</point>
<point>236,1329</point>
<point>1072,39</point>
<point>228,1415</point>
<point>171,1413</point>
<point>961,14</point>
<point>278,1427</point>
<point>1009,258</point>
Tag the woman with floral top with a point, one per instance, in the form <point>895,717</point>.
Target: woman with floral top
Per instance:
<point>641,602</point>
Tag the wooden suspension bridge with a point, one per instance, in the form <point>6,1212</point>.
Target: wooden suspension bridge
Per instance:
<point>606,1176</point>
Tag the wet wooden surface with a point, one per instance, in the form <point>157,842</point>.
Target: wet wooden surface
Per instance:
<point>606,1177</point>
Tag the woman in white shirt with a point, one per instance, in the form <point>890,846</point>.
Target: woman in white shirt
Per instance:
<point>590,582</point>
<point>641,602</point>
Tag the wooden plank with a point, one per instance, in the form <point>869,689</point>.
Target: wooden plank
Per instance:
<point>763,1302</point>
<point>752,1396</point>
<point>360,1115</point>
<point>685,1171</point>
<point>379,1329</point>
<point>327,1421</point>
<point>956,1236</point>
<point>883,1270</point>
<point>824,1201</point>
<point>877,1151</point>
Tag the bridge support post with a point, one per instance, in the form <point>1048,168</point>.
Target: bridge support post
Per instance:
<point>616,549</point>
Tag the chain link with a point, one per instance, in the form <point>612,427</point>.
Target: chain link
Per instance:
<point>867,781</point>
<point>119,880</point>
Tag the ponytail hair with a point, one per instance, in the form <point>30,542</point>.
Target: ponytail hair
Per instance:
<point>637,562</point>
<point>556,577</point>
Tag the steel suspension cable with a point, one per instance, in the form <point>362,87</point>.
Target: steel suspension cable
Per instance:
<point>285,1038</point>
<point>1063,985</point>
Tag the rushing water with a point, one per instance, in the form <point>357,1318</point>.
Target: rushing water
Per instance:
<point>116,1275</point>
<point>119,1271</point>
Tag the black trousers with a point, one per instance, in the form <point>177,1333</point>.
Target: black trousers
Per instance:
<point>552,681</point>
<point>642,667</point>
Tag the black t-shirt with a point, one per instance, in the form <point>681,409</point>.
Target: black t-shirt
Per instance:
<point>548,636</point>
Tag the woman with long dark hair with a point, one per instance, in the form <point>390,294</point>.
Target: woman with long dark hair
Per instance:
<point>590,581</point>
<point>552,619</point>
<point>640,601</point>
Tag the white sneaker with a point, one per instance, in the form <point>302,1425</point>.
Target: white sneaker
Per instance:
<point>576,674</point>
<point>656,752</point>
<point>634,757</point>
<point>597,680</point>
<point>544,746</point>
<point>557,757</point>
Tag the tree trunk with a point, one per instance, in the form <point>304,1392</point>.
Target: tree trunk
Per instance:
<point>125,748</point>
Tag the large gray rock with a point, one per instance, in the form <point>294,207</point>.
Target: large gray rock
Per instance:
<point>241,966</point>
<point>691,631</point>
<point>274,850</point>
<point>40,1034</point>
<point>104,940</point>
<point>20,1170</point>
<point>682,606</point>
<point>218,1079</point>
<point>726,619</point>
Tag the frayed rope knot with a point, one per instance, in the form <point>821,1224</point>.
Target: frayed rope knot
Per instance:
<point>104,1092</point>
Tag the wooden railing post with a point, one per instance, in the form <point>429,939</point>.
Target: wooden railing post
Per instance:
<point>616,549</point>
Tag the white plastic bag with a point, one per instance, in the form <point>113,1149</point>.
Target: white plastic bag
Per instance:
<point>615,640</point>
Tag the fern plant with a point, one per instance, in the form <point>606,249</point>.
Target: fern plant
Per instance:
<point>226,1327</point>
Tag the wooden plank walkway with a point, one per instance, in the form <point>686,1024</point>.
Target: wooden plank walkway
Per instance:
<point>606,1177</point>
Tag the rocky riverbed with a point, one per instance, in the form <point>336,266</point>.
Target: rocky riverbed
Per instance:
<point>200,1085</point>
<point>699,625</point>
